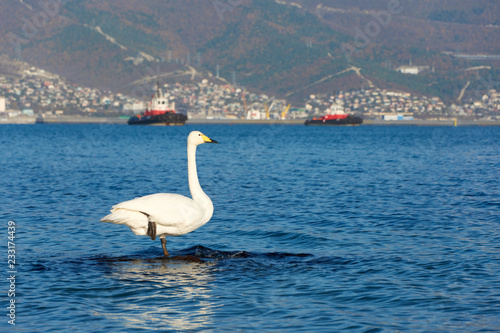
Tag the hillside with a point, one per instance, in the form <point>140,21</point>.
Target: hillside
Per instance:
<point>286,48</point>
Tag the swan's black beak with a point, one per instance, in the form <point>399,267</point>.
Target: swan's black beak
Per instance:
<point>206,139</point>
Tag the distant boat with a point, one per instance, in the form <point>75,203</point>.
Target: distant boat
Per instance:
<point>39,119</point>
<point>159,112</point>
<point>333,119</point>
<point>335,116</point>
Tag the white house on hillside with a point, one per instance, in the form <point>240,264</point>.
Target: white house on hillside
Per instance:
<point>414,70</point>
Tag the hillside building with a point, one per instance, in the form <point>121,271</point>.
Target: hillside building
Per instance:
<point>414,70</point>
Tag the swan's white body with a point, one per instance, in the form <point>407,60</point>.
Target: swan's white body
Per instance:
<point>171,214</point>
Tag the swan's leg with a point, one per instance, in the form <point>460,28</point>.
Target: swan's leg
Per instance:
<point>164,246</point>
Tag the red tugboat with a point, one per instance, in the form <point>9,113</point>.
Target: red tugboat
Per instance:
<point>336,116</point>
<point>159,112</point>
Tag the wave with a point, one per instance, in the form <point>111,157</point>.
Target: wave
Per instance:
<point>199,253</point>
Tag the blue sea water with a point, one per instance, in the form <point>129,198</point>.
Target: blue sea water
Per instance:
<point>316,229</point>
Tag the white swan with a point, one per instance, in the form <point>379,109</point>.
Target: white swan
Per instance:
<point>163,214</point>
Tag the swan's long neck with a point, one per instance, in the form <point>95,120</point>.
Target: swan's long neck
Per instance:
<point>194,184</point>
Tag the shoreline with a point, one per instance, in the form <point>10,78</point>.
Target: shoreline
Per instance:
<point>368,122</point>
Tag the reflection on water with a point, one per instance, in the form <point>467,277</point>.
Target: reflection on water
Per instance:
<point>163,290</point>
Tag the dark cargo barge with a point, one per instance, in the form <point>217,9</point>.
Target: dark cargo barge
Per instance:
<point>336,119</point>
<point>168,118</point>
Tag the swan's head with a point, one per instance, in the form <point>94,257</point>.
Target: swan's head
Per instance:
<point>197,138</point>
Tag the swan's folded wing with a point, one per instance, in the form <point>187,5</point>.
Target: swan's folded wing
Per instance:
<point>172,211</point>
<point>137,221</point>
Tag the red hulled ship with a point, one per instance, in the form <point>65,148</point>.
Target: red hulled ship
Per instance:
<point>336,116</point>
<point>160,111</point>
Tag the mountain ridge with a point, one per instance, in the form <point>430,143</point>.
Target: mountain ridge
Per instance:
<point>287,48</point>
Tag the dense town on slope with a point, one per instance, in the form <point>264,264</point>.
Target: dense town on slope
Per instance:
<point>43,93</point>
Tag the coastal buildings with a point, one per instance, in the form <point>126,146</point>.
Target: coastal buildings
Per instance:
<point>42,93</point>
<point>378,103</point>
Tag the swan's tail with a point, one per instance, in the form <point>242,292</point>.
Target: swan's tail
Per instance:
<point>136,221</point>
